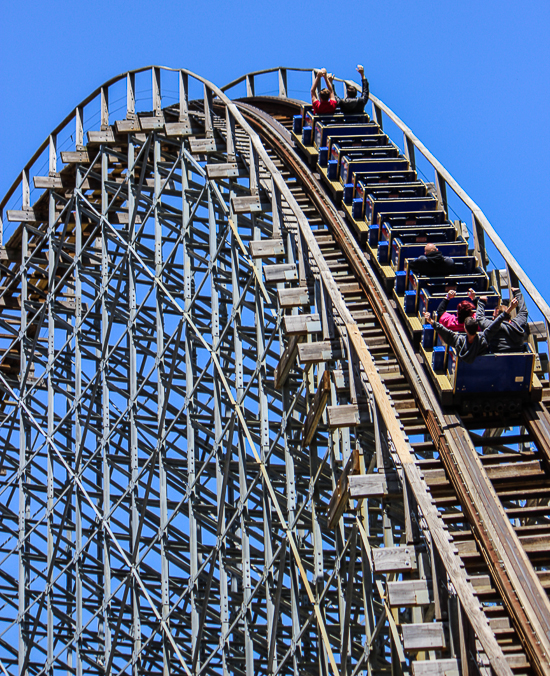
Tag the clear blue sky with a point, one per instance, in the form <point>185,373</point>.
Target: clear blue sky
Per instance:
<point>471,79</point>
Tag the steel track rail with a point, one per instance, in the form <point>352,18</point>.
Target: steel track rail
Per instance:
<point>510,567</point>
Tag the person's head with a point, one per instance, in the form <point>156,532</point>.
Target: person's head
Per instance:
<point>430,248</point>
<point>464,309</point>
<point>470,324</point>
<point>324,94</point>
<point>351,92</point>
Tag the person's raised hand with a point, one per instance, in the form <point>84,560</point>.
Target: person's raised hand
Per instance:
<point>360,68</point>
<point>472,294</point>
<point>428,318</point>
<point>513,305</point>
<point>451,293</point>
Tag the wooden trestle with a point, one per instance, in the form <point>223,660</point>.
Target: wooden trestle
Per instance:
<point>220,452</point>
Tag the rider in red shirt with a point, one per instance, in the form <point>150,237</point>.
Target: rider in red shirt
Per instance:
<point>325,103</point>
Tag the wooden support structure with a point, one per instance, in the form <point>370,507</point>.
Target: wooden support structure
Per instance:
<point>317,409</point>
<point>287,362</point>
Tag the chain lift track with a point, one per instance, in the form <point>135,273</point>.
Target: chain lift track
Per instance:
<point>219,451</point>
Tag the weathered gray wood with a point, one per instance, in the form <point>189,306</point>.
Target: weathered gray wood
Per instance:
<point>106,136</point>
<point>302,324</point>
<point>379,485</point>
<point>47,182</point>
<point>123,218</point>
<point>75,157</point>
<point>348,415</point>
<point>394,559</point>
<point>316,410</point>
<point>297,297</point>
<point>409,593</point>
<point>246,204</point>
<point>280,272</point>
<point>322,350</point>
<point>514,470</point>
<point>435,477</point>
<point>177,129</point>
<point>435,668</point>
<point>339,499</point>
<point>266,248</point>
<point>152,123</point>
<point>21,216</point>
<point>202,145</point>
<point>423,636</point>
<point>287,361</point>
<point>126,126</point>
<point>222,170</point>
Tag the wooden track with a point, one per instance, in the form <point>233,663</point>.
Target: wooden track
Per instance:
<point>220,449</point>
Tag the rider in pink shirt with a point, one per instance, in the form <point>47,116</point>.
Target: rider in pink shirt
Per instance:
<point>464,309</point>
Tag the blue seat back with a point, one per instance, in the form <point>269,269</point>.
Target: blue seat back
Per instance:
<point>323,128</point>
<point>349,167</point>
<point>374,206</point>
<point>429,302</point>
<point>497,373</point>
<point>400,251</point>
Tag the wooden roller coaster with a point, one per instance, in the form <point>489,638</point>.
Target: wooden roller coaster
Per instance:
<point>223,448</point>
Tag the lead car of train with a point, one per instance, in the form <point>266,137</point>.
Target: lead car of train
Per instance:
<point>394,215</point>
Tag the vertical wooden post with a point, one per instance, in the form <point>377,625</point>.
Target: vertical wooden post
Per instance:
<point>409,150</point>
<point>282,82</point>
<point>230,133</point>
<point>441,187</point>
<point>104,108</point>
<point>79,119</point>
<point>208,125</point>
<point>184,106</point>
<point>250,85</point>
<point>157,100</point>
<point>52,162</point>
<point>479,242</point>
<point>25,190</point>
<point>130,96</point>
<point>377,115</point>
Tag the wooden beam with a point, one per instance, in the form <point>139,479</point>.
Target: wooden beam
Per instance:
<point>22,216</point>
<point>47,182</point>
<point>106,136</point>
<point>280,272</point>
<point>321,350</point>
<point>435,668</point>
<point>379,485</point>
<point>286,362</point>
<point>339,500</point>
<point>126,126</point>
<point>316,410</point>
<point>297,297</point>
<point>75,157</point>
<point>152,123</point>
<point>394,559</point>
<point>266,248</point>
<point>302,324</point>
<point>247,204</point>
<point>347,415</point>
<point>222,170</point>
<point>202,145</point>
<point>409,593</point>
<point>423,636</point>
